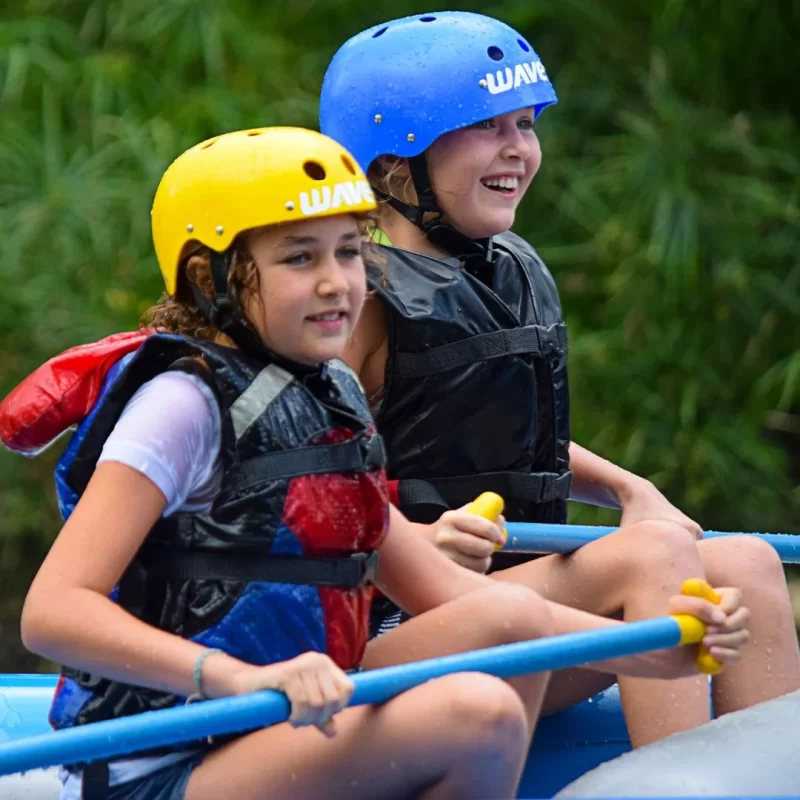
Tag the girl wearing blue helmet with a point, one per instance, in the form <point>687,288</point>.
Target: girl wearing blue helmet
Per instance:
<point>463,351</point>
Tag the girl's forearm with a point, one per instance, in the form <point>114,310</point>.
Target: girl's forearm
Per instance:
<point>599,482</point>
<point>87,631</point>
<point>572,620</point>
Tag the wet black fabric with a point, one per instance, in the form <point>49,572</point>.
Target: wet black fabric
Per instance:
<point>476,393</point>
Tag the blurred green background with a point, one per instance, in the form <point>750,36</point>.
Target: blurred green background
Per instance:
<point>667,207</point>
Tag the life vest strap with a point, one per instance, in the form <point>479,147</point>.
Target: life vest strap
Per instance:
<point>349,572</point>
<point>535,340</point>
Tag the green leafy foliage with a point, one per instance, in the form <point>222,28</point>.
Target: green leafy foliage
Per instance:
<point>667,206</point>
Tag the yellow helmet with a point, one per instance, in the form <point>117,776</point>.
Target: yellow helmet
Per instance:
<point>249,179</point>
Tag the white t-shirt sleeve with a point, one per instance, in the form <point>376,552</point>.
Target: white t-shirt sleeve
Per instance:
<point>170,432</point>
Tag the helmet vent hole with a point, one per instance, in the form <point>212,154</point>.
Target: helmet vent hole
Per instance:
<point>314,170</point>
<point>427,19</point>
<point>380,32</point>
<point>208,144</point>
<point>348,165</point>
<point>495,53</point>
<point>524,45</point>
<point>254,133</point>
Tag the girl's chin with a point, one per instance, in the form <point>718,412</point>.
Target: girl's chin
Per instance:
<point>490,225</point>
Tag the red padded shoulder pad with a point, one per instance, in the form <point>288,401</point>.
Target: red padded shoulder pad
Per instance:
<point>61,392</point>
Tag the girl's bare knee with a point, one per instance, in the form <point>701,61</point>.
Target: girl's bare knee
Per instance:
<point>484,712</point>
<point>653,544</point>
<point>517,613</point>
<point>745,562</point>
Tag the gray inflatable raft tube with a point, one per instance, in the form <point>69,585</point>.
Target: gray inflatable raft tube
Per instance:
<point>750,753</point>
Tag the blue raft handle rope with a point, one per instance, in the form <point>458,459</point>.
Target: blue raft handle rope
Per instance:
<point>539,537</point>
<point>183,724</point>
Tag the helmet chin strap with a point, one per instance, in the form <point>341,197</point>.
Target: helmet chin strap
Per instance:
<point>475,253</point>
<point>221,312</point>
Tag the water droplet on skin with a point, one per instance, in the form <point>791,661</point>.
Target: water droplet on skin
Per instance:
<point>769,651</point>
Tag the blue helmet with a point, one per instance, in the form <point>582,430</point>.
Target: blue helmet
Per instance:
<point>395,88</point>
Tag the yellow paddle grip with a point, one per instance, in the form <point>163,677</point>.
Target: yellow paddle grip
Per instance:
<point>489,506</point>
<point>693,630</point>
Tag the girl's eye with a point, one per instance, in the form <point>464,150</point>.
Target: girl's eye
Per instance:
<point>297,259</point>
<point>349,253</point>
<point>483,125</point>
<point>525,124</point>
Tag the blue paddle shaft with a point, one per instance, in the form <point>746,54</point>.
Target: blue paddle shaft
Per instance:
<point>182,724</point>
<point>535,537</point>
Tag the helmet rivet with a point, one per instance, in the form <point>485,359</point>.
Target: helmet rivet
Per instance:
<point>219,230</point>
<point>289,205</point>
<point>190,227</point>
<point>482,83</point>
<point>379,118</point>
<point>411,137</point>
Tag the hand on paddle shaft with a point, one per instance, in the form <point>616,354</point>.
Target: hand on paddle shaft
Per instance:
<point>725,634</point>
<point>315,687</point>
<point>469,536</point>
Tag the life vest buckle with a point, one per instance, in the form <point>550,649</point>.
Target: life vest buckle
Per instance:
<point>373,451</point>
<point>369,569</point>
<point>557,488</point>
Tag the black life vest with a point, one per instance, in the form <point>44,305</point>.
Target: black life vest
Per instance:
<point>281,563</point>
<point>475,396</point>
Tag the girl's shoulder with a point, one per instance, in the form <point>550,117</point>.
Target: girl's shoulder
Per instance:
<point>515,245</point>
<point>170,431</point>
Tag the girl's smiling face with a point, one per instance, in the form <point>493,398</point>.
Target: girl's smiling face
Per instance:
<point>480,173</point>
<point>311,286</point>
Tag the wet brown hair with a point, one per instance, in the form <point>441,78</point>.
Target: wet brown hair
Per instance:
<point>384,176</point>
